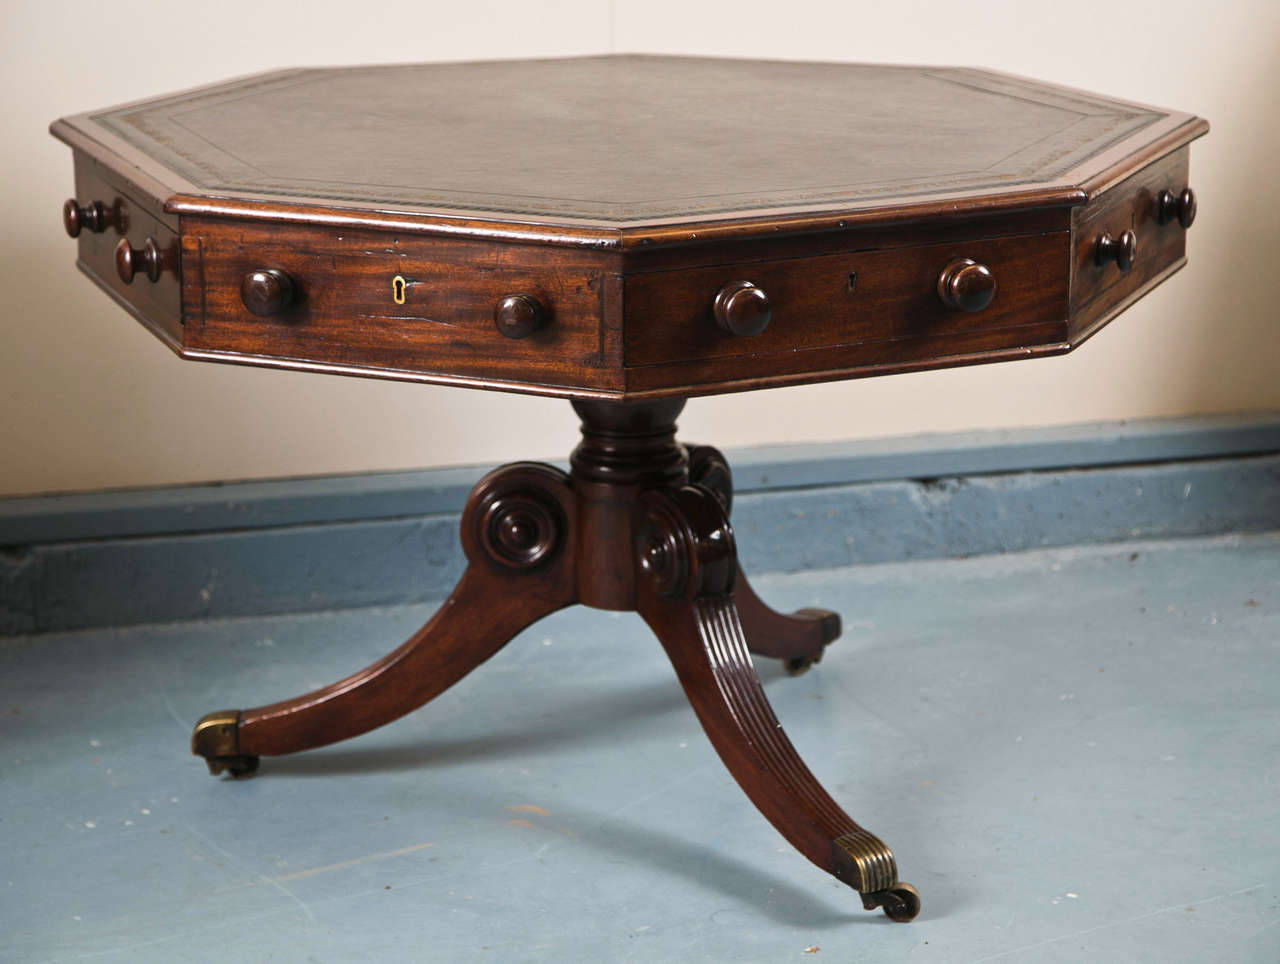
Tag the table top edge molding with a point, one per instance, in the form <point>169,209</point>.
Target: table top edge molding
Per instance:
<point>1094,174</point>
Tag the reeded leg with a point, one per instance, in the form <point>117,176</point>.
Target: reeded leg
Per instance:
<point>797,639</point>
<point>515,530</point>
<point>685,588</point>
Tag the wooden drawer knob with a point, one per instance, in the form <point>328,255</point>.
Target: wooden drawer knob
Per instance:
<point>95,216</point>
<point>742,308</point>
<point>1182,207</point>
<point>267,291</point>
<point>1122,250</point>
<point>148,259</point>
<point>966,285</point>
<point>520,315</point>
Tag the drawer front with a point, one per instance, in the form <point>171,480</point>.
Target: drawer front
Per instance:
<point>380,302</point>
<point>137,218</point>
<point>1101,288</point>
<point>854,298</point>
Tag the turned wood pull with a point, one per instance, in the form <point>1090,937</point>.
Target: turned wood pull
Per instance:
<point>1182,207</point>
<point>95,216</point>
<point>148,259</point>
<point>966,285</point>
<point>742,308</point>
<point>1122,250</point>
<point>267,291</point>
<point>520,315</point>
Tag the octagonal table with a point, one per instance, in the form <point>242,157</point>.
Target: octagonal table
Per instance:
<point>625,232</point>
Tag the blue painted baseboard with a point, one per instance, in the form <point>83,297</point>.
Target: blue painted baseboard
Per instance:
<point>153,555</point>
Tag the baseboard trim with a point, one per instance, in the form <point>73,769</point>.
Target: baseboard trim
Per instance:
<point>154,555</point>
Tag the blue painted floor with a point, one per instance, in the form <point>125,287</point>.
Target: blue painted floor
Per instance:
<point>1074,753</point>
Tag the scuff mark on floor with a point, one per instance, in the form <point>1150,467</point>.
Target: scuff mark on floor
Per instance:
<point>529,808</point>
<point>299,874</point>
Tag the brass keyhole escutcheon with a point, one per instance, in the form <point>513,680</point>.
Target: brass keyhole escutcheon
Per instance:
<point>397,289</point>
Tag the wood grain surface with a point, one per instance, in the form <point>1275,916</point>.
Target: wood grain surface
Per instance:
<point>346,311</point>
<point>845,298</point>
<point>1130,205</point>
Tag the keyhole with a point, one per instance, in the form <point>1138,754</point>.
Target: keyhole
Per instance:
<point>397,289</point>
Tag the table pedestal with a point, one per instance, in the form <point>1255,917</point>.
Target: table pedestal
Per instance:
<point>641,523</point>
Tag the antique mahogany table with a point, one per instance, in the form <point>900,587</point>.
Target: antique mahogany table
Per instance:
<point>624,232</point>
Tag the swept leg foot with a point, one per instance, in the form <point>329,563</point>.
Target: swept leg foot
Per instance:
<point>515,530</point>
<point>216,738</point>
<point>685,587</point>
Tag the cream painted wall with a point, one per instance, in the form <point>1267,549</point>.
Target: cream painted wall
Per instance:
<point>93,401</point>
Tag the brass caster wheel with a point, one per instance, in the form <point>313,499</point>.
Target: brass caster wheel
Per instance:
<point>901,902</point>
<point>800,665</point>
<point>237,766</point>
<point>217,739</point>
